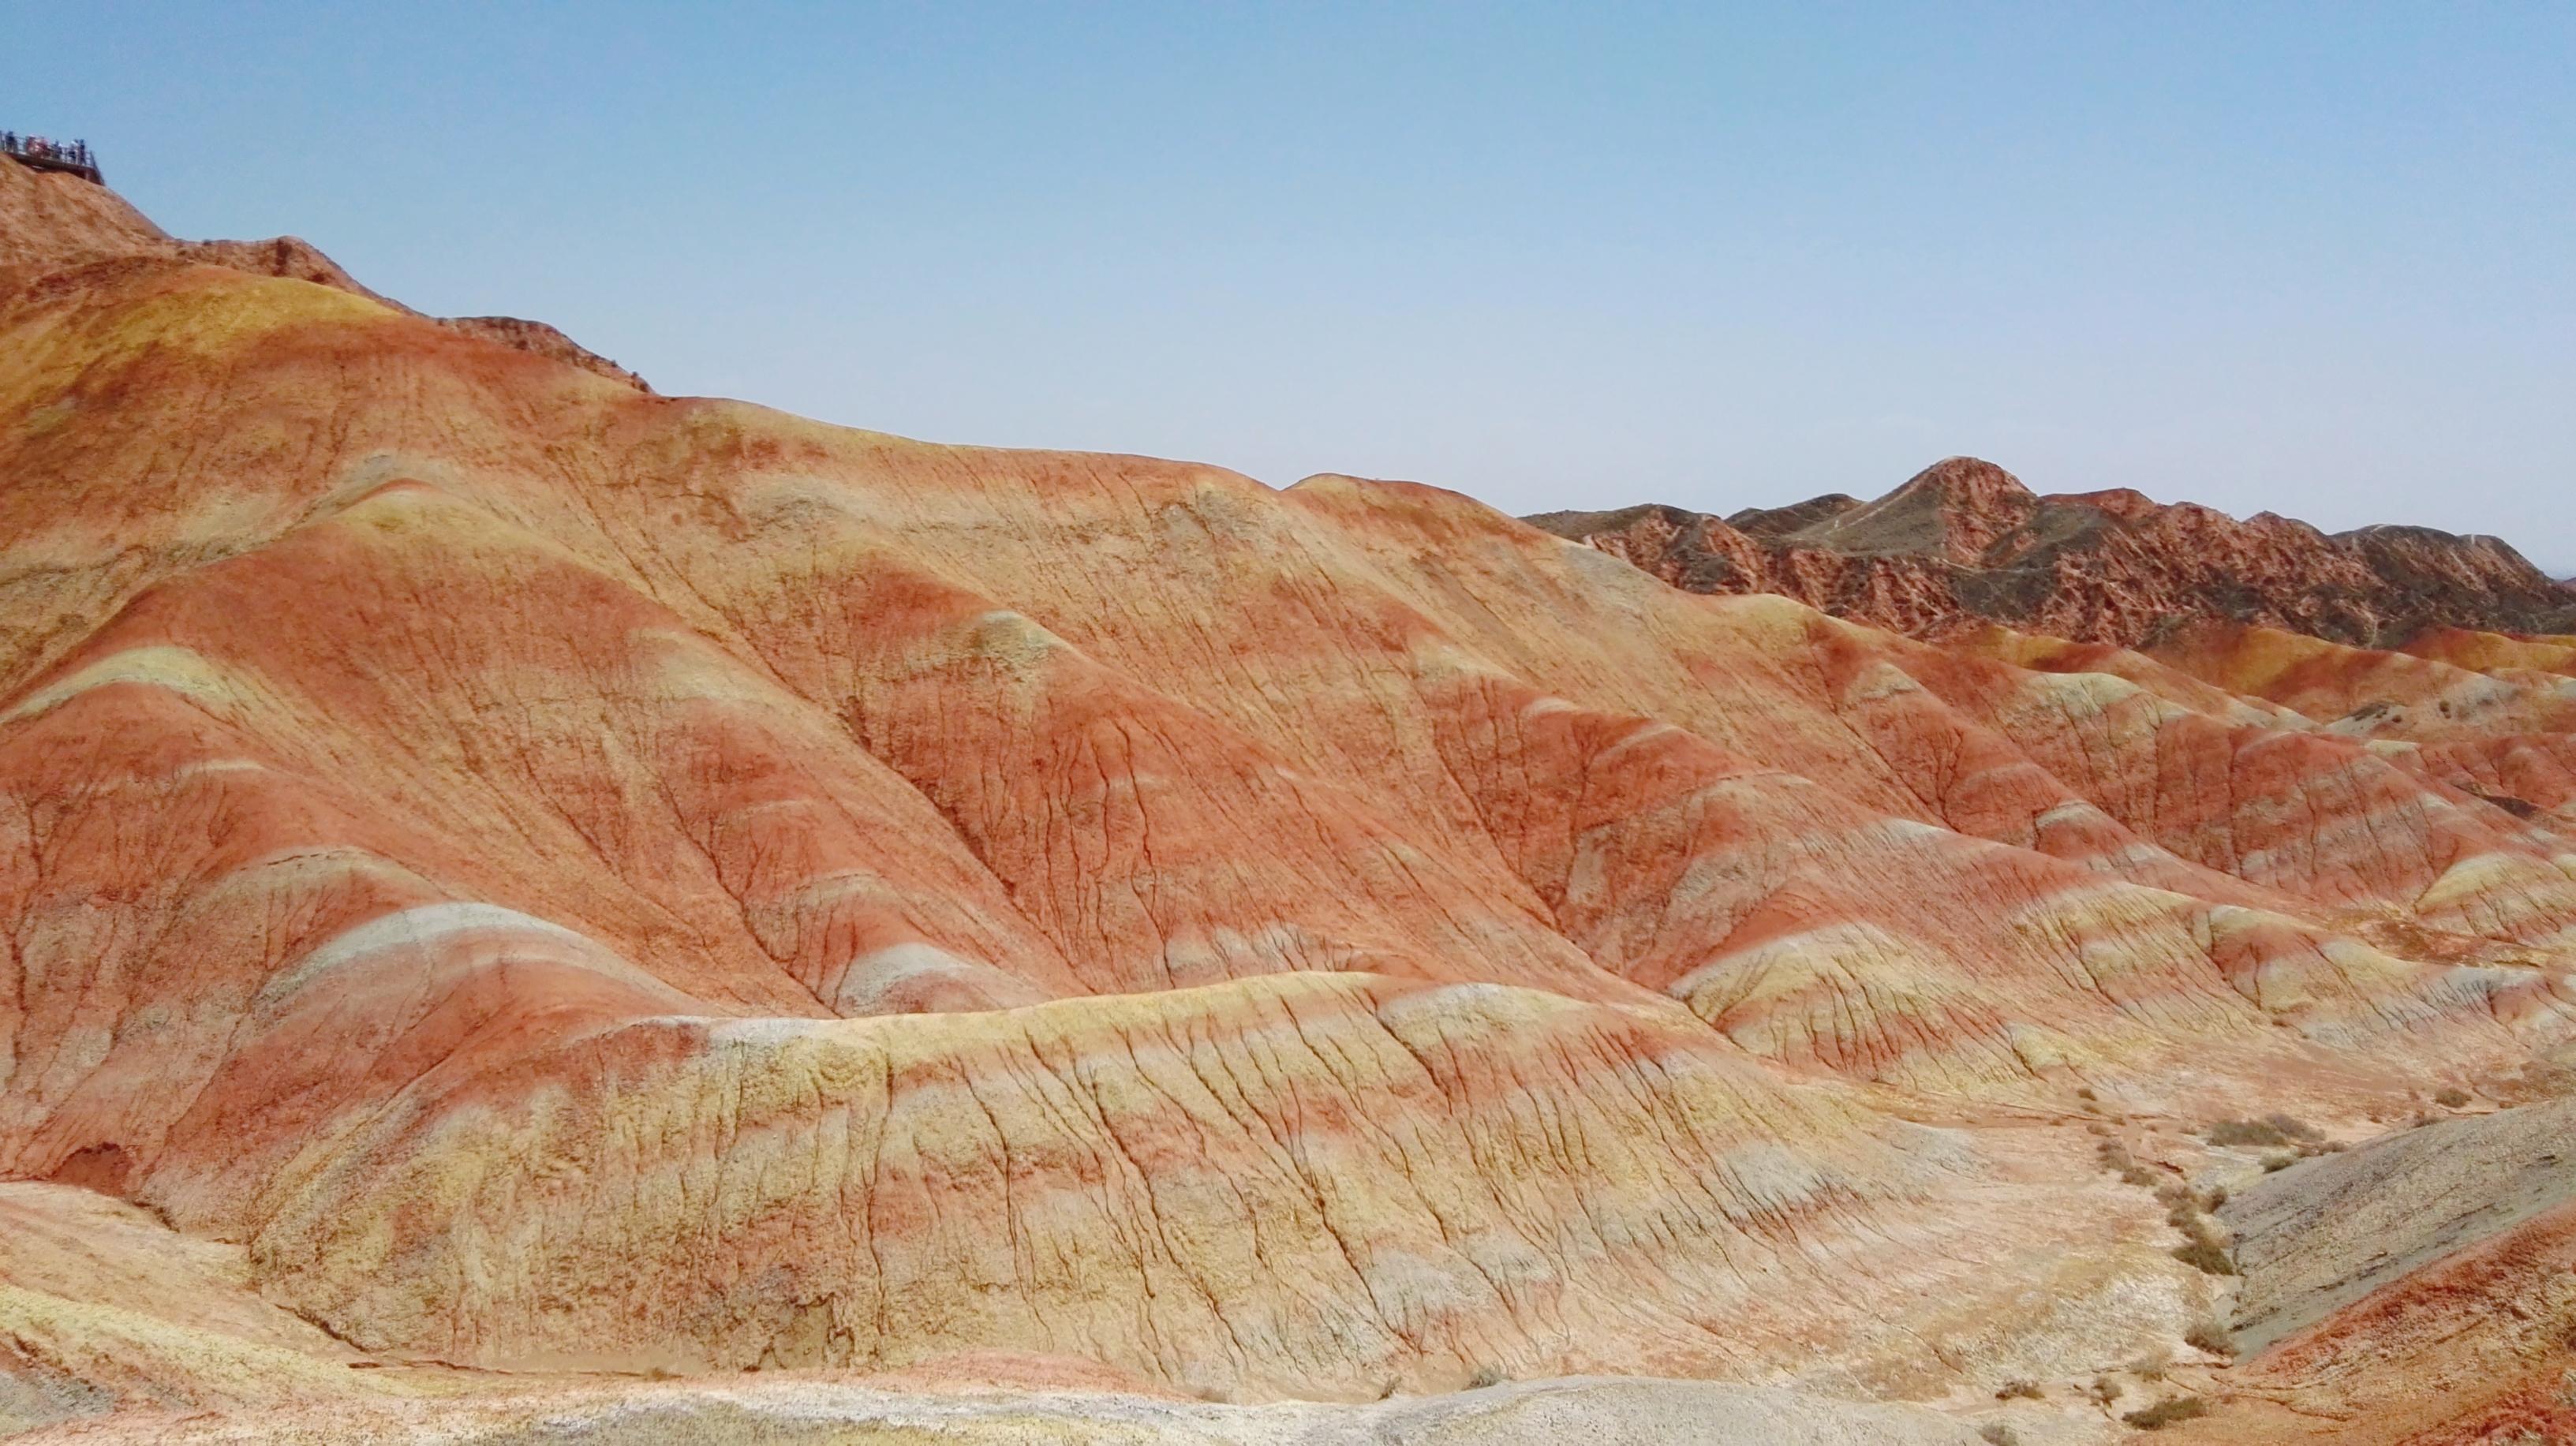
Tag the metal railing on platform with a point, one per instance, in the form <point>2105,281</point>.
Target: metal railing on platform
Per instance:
<point>51,155</point>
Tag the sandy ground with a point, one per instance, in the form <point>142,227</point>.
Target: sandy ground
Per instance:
<point>1577,1412</point>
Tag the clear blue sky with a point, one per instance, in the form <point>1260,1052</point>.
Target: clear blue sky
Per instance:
<point>2316,259</point>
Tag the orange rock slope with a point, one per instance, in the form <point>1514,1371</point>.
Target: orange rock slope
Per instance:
<point>563,879</point>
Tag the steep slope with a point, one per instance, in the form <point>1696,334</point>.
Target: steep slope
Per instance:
<point>2314,1239</point>
<point>2414,1289</point>
<point>1964,543</point>
<point>564,879</point>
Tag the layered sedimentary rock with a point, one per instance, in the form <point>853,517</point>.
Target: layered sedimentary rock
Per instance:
<point>1965,543</point>
<point>2415,1289</point>
<point>525,875</point>
<point>49,220</point>
<point>105,1307</point>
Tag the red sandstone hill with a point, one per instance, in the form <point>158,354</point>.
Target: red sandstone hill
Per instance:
<point>1964,542</point>
<point>48,221</point>
<point>511,885</point>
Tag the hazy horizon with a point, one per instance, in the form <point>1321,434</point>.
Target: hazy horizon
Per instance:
<point>2308,261</point>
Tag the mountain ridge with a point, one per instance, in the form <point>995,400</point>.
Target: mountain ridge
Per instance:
<point>1964,542</point>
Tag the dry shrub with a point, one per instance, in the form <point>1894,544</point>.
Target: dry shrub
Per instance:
<point>2205,1243</point>
<point>2536,1081</point>
<point>2271,1131</point>
<point>2244,1132</point>
<point>2206,1256</point>
<point>2212,1335</point>
<point>2167,1412</point>
<point>2116,1158</point>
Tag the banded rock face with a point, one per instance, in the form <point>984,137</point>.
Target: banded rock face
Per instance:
<point>2414,1289</point>
<point>561,879</point>
<point>49,220</point>
<point>1964,543</point>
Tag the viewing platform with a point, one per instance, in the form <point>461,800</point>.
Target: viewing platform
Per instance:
<point>49,155</point>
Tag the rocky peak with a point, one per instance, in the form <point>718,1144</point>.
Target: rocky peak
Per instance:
<point>1955,509</point>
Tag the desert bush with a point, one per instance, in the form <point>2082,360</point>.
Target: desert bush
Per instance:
<point>2212,1335</point>
<point>2278,1162</point>
<point>2245,1132</point>
<point>2166,1412</point>
<point>2188,1210</point>
<point>2018,1389</point>
<point>2273,1130</point>
<point>2204,1246</point>
<point>2541,1081</point>
<point>2205,1255</point>
<point>1487,1376</point>
<point>1996,1433</point>
<point>2451,1097</point>
<point>2116,1158</point>
<point>2103,1391</point>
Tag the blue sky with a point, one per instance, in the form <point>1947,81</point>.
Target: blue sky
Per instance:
<point>2317,259</point>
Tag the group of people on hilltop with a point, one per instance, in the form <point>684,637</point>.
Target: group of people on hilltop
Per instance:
<point>77,153</point>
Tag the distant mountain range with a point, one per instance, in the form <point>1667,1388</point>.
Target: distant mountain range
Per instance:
<point>1965,542</point>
